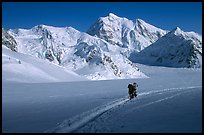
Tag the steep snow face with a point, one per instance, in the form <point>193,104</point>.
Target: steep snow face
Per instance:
<point>77,51</point>
<point>149,32</point>
<point>131,35</point>
<point>8,41</point>
<point>18,67</point>
<point>175,49</point>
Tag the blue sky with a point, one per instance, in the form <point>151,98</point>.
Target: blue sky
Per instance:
<point>81,15</point>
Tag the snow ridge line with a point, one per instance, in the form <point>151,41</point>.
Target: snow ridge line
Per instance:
<point>80,120</point>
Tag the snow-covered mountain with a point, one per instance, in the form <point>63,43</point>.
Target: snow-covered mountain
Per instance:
<point>80,52</point>
<point>8,41</point>
<point>130,35</point>
<point>176,49</point>
<point>19,67</point>
<point>109,48</point>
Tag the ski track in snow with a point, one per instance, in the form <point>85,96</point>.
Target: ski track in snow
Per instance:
<point>75,123</point>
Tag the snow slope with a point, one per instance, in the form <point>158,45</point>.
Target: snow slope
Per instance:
<point>18,67</point>
<point>169,101</point>
<point>176,49</point>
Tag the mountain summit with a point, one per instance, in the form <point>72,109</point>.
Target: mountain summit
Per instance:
<point>133,35</point>
<point>176,49</point>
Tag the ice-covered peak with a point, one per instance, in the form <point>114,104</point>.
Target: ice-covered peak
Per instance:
<point>177,31</point>
<point>109,18</point>
<point>132,35</point>
<point>112,16</point>
<point>140,20</point>
<point>41,26</point>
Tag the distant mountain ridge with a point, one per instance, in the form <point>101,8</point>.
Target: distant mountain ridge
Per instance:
<point>138,37</point>
<point>110,47</point>
<point>176,49</point>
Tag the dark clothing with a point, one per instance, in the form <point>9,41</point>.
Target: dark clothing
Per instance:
<point>132,91</point>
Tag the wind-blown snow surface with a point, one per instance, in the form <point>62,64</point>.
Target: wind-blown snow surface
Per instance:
<point>169,101</point>
<point>18,67</point>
